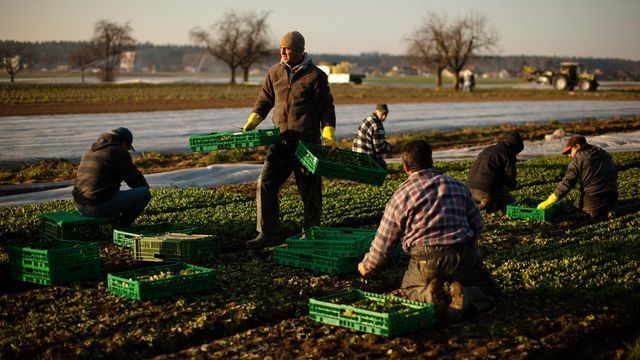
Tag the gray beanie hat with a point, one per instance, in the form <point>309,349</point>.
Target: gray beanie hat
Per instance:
<point>293,40</point>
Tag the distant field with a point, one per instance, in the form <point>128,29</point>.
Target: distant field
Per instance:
<point>47,99</point>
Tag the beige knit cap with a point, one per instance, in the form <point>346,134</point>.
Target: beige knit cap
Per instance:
<point>293,40</point>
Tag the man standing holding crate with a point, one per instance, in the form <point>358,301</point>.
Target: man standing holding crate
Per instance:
<point>370,138</point>
<point>299,94</point>
<point>437,222</point>
<point>102,169</point>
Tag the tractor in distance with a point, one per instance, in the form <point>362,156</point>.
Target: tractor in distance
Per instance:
<point>571,75</point>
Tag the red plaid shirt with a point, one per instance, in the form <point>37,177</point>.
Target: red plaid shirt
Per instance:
<point>427,209</point>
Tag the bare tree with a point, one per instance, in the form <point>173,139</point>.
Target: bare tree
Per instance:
<point>240,40</point>
<point>422,50</point>
<point>110,40</point>
<point>255,41</point>
<point>83,58</point>
<point>456,41</point>
<point>12,61</point>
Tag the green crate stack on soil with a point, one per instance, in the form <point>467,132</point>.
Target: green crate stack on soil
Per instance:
<point>340,164</point>
<point>161,281</point>
<point>234,140</point>
<point>373,313</point>
<point>124,237</point>
<point>54,262</point>
<point>176,247</point>
<point>328,250</point>
<point>71,225</point>
<point>525,209</point>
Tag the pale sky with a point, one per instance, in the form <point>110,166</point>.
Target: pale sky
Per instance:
<point>589,28</point>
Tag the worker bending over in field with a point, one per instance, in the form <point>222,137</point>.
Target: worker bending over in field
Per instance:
<point>370,138</point>
<point>438,223</point>
<point>594,169</point>
<point>96,191</point>
<point>493,175</point>
<point>299,93</point>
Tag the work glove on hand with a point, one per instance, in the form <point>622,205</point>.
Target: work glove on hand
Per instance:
<point>328,137</point>
<point>253,121</point>
<point>550,201</point>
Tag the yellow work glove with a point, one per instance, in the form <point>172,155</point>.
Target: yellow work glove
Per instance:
<point>545,204</point>
<point>327,136</point>
<point>253,122</point>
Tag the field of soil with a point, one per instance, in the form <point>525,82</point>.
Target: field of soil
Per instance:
<point>52,99</point>
<point>570,287</point>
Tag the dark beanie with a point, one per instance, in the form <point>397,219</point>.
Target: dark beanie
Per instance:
<point>293,40</point>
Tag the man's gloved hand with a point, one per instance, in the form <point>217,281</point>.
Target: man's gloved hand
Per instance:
<point>253,122</point>
<point>545,204</point>
<point>328,137</point>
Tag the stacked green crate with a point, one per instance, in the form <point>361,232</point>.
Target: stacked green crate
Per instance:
<point>175,247</point>
<point>71,225</point>
<point>161,281</point>
<point>124,237</point>
<point>54,262</point>
<point>340,164</point>
<point>373,313</point>
<point>327,250</point>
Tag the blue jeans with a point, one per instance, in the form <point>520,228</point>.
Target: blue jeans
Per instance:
<point>126,205</point>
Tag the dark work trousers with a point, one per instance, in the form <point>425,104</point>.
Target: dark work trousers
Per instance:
<point>125,204</point>
<point>278,165</point>
<point>496,200</point>
<point>597,207</point>
<point>460,263</point>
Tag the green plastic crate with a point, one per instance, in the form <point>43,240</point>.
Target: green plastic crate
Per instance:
<point>340,242</point>
<point>127,284</point>
<point>325,264</point>
<point>526,209</point>
<point>124,237</point>
<point>54,262</point>
<point>175,247</point>
<point>233,140</point>
<point>340,164</point>
<point>417,316</point>
<point>71,225</point>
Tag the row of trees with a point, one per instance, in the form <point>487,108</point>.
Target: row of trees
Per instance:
<point>241,40</point>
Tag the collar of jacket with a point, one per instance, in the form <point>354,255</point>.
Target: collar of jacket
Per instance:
<point>293,70</point>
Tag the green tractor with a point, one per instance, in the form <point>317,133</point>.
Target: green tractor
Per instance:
<point>570,76</point>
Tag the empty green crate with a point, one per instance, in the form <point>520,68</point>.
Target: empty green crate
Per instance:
<point>325,264</point>
<point>335,310</point>
<point>71,225</point>
<point>56,276</point>
<point>124,237</point>
<point>129,284</point>
<point>175,247</point>
<point>340,242</point>
<point>340,164</point>
<point>54,262</point>
<point>233,140</point>
<point>526,209</point>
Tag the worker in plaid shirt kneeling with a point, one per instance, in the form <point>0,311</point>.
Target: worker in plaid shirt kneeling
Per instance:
<point>438,223</point>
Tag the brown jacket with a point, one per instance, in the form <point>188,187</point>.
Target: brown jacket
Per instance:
<point>301,100</point>
<point>101,171</point>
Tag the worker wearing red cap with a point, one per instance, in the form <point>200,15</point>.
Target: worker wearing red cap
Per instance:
<point>594,169</point>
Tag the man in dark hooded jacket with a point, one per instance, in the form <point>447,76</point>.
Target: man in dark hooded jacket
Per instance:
<point>594,169</point>
<point>97,188</point>
<point>493,175</point>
